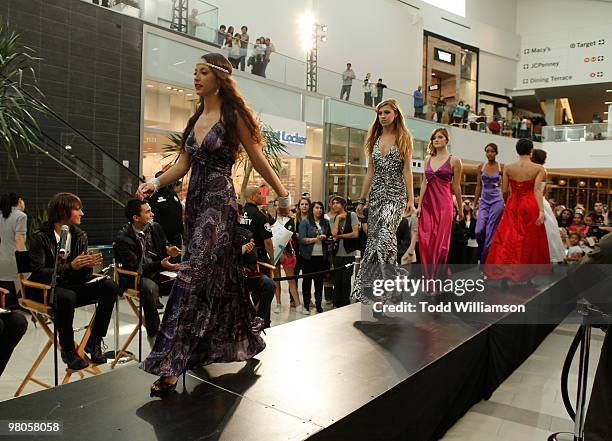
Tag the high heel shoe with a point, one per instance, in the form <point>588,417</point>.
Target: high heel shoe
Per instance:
<point>162,388</point>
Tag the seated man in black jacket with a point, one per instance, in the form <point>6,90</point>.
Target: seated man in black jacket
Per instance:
<point>73,275</point>
<point>143,242</point>
<point>261,287</point>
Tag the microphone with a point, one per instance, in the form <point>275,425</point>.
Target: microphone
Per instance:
<point>63,239</point>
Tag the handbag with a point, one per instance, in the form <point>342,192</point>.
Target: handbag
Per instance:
<point>289,259</point>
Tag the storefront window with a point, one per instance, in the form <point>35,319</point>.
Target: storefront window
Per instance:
<point>450,73</point>
<point>569,191</point>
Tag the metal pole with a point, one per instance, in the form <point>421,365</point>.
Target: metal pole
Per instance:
<point>583,374</point>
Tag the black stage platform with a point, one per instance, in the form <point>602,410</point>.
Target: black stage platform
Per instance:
<point>333,376</point>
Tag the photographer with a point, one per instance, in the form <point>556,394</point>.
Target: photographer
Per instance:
<point>345,230</point>
<point>314,234</point>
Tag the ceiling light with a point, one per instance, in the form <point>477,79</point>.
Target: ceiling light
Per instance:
<point>433,74</point>
<point>608,102</point>
<point>150,85</point>
<point>168,87</point>
<point>608,90</point>
<point>605,113</point>
<point>180,90</point>
<point>68,147</point>
<point>190,94</point>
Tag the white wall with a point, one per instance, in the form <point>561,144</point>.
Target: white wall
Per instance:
<point>496,74</point>
<point>500,14</point>
<point>557,15</point>
<point>593,154</point>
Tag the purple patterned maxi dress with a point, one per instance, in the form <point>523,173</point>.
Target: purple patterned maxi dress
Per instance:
<point>209,316</point>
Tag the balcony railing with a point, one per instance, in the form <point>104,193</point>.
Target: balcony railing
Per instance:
<point>577,132</point>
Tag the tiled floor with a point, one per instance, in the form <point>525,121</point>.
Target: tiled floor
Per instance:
<point>526,407</point>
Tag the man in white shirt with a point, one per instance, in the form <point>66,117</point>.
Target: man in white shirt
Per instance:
<point>347,81</point>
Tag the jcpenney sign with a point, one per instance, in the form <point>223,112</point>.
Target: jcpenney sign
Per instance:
<point>292,133</point>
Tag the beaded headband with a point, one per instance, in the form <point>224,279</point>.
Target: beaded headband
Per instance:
<point>214,66</point>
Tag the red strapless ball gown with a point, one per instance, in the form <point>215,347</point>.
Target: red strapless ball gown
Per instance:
<point>520,248</point>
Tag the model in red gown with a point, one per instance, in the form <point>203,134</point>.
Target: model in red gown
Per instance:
<point>520,247</point>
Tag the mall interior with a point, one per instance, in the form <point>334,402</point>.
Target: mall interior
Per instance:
<point>111,88</point>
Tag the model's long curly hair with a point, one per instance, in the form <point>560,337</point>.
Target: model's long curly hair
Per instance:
<point>233,104</point>
<point>404,137</point>
<point>431,151</point>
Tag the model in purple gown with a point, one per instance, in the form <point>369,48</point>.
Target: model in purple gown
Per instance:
<point>490,202</point>
<point>209,316</point>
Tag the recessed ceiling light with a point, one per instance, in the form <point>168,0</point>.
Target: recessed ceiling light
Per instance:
<point>150,85</point>
<point>180,90</point>
<point>189,94</point>
<point>168,87</point>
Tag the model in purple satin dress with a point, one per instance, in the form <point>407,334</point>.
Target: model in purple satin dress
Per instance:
<point>490,210</point>
<point>436,219</point>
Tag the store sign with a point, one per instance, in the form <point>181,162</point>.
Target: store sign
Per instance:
<point>575,56</point>
<point>443,56</point>
<point>292,133</point>
<point>291,138</point>
<point>417,166</point>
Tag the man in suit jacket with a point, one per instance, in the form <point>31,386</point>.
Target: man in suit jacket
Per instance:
<point>142,244</point>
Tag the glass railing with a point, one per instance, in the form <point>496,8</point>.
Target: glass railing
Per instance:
<point>577,132</point>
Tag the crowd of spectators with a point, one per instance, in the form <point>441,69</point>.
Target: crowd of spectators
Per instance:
<point>242,54</point>
<point>373,92</point>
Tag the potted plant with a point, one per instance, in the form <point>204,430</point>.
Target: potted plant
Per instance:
<point>20,102</point>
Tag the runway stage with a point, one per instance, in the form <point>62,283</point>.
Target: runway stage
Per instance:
<point>333,376</point>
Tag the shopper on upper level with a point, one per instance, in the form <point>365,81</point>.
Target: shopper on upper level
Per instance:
<point>418,102</point>
<point>367,90</point>
<point>268,52</point>
<point>221,35</point>
<point>235,51</point>
<point>347,81</point>
<point>458,112</point>
<point>380,86</point>
<point>244,46</point>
